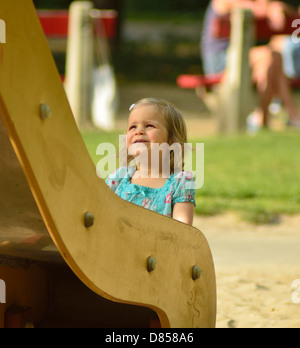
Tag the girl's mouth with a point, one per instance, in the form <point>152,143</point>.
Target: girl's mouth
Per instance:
<point>140,141</point>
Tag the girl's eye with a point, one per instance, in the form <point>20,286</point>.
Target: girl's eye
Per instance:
<point>133,127</point>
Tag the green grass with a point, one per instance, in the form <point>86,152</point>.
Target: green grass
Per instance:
<point>256,176</point>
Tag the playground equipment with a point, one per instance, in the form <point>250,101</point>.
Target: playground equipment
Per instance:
<point>71,252</point>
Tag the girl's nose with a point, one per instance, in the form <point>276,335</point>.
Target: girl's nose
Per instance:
<point>139,131</point>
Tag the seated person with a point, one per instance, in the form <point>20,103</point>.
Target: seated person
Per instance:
<point>289,50</point>
<point>266,63</point>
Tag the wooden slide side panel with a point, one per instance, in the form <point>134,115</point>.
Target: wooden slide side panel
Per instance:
<point>23,233</point>
<point>109,257</point>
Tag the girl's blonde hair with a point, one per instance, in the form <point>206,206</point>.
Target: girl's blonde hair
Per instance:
<point>177,132</point>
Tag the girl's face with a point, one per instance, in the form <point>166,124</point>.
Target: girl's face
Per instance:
<point>146,125</point>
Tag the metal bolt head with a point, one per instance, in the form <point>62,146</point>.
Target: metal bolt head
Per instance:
<point>151,264</point>
<point>196,273</point>
<point>45,111</point>
<point>89,220</point>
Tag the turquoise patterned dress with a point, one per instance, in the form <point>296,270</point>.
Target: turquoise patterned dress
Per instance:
<point>179,188</point>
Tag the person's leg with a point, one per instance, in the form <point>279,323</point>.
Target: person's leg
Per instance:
<point>214,64</point>
<point>271,81</point>
<point>284,89</point>
<point>263,76</point>
<point>290,54</point>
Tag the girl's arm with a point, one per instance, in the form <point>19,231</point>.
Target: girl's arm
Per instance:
<point>184,212</point>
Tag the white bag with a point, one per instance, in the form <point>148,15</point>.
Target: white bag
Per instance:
<point>105,95</point>
<point>105,100</point>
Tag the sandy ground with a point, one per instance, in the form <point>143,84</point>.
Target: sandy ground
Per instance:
<point>256,267</point>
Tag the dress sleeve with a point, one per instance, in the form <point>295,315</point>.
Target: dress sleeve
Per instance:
<point>185,188</point>
<point>113,181</point>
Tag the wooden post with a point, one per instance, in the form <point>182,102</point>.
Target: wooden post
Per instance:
<point>79,62</point>
<point>236,94</point>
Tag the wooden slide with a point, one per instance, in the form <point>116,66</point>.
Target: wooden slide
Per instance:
<point>54,208</point>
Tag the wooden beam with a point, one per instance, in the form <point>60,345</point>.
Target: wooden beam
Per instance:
<point>236,97</point>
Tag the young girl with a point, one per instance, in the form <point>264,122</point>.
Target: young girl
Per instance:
<point>150,183</point>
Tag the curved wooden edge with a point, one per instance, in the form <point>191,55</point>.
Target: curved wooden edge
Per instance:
<point>111,256</point>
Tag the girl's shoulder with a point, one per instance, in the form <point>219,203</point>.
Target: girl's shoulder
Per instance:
<point>184,190</point>
<point>120,173</point>
<point>184,175</point>
<point>185,178</point>
<point>115,179</point>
